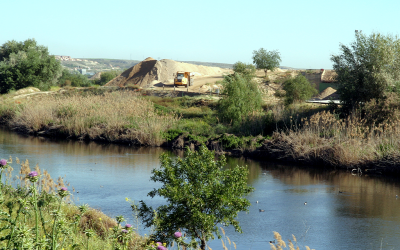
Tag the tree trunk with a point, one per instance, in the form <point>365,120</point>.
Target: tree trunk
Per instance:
<point>265,70</point>
<point>203,244</point>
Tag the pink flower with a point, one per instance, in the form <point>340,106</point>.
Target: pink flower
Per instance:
<point>178,234</point>
<point>33,174</point>
<point>3,162</point>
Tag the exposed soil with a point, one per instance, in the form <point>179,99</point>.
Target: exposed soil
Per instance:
<point>152,73</point>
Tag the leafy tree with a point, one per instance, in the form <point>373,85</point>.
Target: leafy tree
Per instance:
<point>244,69</point>
<point>298,89</point>
<point>367,69</point>
<point>73,79</point>
<point>266,60</point>
<point>24,64</point>
<point>199,193</point>
<point>240,99</point>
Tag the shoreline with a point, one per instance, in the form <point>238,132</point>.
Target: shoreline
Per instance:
<point>270,149</point>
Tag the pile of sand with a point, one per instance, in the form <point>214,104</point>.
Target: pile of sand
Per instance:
<point>327,94</point>
<point>150,72</point>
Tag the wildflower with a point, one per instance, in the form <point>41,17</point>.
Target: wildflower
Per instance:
<point>128,226</point>
<point>124,231</point>
<point>3,163</point>
<point>126,198</point>
<point>99,219</point>
<point>63,192</point>
<point>178,234</point>
<point>161,247</point>
<point>33,176</point>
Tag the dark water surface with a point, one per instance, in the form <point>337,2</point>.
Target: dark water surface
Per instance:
<point>343,211</point>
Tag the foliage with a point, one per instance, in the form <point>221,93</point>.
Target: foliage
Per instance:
<point>25,64</point>
<point>241,99</point>
<point>244,69</point>
<point>367,69</point>
<point>73,79</point>
<point>266,60</point>
<point>199,193</point>
<point>107,76</point>
<point>34,215</point>
<point>298,89</point>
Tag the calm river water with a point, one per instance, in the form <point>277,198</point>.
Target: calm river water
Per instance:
<point>365,214</point>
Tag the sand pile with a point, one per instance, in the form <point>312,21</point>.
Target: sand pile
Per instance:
<point>327,94</point>
<point>150,72</point>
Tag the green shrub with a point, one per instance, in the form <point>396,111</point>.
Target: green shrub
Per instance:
<point>171,134</point>
<point>240,100</point>
<point>298,89</point>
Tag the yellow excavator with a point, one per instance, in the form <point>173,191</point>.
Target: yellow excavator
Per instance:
<point>183,79</point>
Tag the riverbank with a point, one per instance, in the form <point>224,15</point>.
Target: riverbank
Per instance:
<point>300,134</point>
<point>37,212</point>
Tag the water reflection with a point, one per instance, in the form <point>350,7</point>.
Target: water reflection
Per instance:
<point>342,211</point>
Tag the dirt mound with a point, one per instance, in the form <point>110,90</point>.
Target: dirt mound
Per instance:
<point>150,72</point>
<point>327,93</point>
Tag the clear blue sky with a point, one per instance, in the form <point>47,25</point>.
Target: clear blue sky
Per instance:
<point>306,33</point>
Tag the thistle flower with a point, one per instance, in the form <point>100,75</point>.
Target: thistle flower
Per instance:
<point>33,176</point>
<point>124,231</point>
<point>63,192</point>
<point>128,226</point>
<point>178,234</point>
<point>3,163</point>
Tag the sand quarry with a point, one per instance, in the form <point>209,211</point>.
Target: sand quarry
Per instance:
<point>152,73</point>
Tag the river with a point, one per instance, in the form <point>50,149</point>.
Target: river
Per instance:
<point>342,211</point>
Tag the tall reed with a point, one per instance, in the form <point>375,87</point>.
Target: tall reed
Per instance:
<point>111,116</point>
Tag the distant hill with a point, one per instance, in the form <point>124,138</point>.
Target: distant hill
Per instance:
<point>95,65</point>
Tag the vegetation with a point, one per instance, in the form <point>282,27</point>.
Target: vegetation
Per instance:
<point>266,60</point>
<point>298,89</point>
<point>114,116</point>
<point>107,76</point>
<point>244,69</point>
<point>27,64</point>
<point>367,69</point>
<point>241,99</point>
<point>73,79</point>
<point>34,215</point>
<point>200,194</point>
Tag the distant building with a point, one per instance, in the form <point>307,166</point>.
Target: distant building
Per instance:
<point>82,71</point>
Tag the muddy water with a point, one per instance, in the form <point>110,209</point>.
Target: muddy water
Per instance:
<point>343,211</point>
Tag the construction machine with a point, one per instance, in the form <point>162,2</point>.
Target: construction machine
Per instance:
<point>183,78</point>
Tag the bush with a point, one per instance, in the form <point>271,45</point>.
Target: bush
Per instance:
<point>244,69</point>
<point>240,100</point>
<point>73,79</point>
<point>298,89</point>
<point>107,76</point>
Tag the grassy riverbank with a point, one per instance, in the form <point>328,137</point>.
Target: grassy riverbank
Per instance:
<point>38,213</point>
<point>300,133</point>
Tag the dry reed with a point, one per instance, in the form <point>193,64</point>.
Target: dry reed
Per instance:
<point>112,116</point>
<point>325,138</point>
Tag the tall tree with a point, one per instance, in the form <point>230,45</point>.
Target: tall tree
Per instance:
<point>266,60</point>
<point>200,194</point>
<point>24,64</point>
<point>367,69</point>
